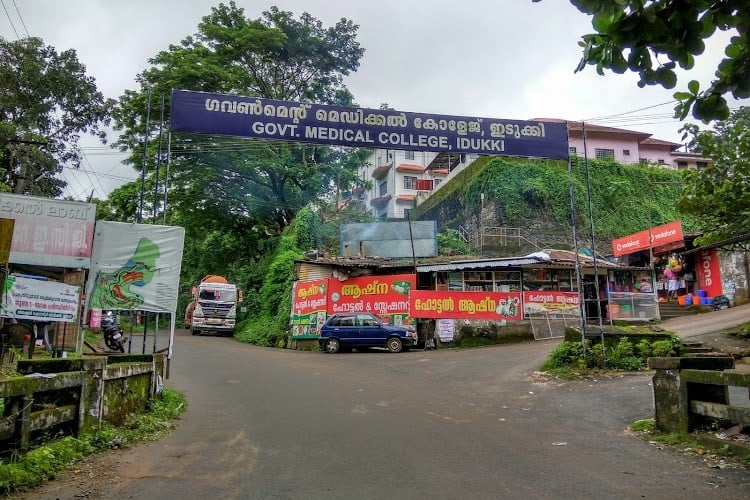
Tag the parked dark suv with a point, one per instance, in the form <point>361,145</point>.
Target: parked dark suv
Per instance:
<point>349,330</point>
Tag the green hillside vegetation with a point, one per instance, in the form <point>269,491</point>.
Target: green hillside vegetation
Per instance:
<point>624,199</point>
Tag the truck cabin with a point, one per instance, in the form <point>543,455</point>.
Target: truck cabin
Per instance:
<point>215,294</point>
<point>208,294</point>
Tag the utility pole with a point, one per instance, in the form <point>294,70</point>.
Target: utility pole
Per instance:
<point>23,164</point>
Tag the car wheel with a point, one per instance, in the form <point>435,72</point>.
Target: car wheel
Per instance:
<point>394,344</point>
<point>196,332</point>
<point>332,346</point>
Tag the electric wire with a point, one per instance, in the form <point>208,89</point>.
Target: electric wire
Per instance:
<point>96,177</point>
<point>12,25</point>
<point>20,18</point>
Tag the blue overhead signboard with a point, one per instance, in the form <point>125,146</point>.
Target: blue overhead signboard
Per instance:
<point>220,114</point>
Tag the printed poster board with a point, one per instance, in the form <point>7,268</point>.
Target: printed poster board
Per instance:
<point>492,306</point>
<point>386,296</point>
<point>309,303</point>
<point>39,300</point>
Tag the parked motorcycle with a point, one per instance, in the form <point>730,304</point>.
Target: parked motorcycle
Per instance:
<point>114,337</point>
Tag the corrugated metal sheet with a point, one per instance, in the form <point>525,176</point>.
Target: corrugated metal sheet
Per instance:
<point>482,264</point>
<point>308,272</point>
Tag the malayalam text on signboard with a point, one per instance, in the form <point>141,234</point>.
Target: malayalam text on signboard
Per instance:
<point>49,232</point>
<point>219,114</point>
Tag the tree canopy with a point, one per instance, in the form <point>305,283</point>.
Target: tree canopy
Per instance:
<point>719,194</point>
<point>235,196</point>
<point>46,102</point>
<point>653,37</point>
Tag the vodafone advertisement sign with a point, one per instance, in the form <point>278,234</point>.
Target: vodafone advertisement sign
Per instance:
<point>670,232</point>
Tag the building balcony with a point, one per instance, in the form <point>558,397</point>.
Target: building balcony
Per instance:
<point>380,201</point>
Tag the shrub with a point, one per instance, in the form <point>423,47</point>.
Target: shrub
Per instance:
<point>621,356</point>
<point>663,348</point>
<point>261,330</point>
<point>566,354</point>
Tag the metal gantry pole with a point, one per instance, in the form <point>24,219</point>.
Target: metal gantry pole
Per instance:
<point>145,154</point>
<point>593,245</point>
<point>579,275</point>
<point>158,160</point>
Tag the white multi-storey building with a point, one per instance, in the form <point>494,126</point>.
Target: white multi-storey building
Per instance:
<point>398,180</point>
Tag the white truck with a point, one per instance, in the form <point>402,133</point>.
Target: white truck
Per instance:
<point>214,306</point>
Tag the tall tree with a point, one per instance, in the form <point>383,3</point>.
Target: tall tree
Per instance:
<point>719,194</point>
<point>46,102</point>
<point>632,35</point>
<point>241,193</point>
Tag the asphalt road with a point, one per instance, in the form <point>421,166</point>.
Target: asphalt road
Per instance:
<point>476,423</point>
<point>693,326</point>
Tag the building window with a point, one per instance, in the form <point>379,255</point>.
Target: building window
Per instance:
<point>407,213</point>
<point>410,182</point>
<point>604,154</point>
<point>437,182</point>
<point>409,155</point>
<point>682,164</point>
<point>661,162</point>
<point>572,150</point>
<point>643,161</point>
<point>625,152</point>
<point>383,188</point>
<point>701,164</point>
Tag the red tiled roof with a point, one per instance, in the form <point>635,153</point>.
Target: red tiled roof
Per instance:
<point>659,142</point>
<point>405,197</point>
<point>381,170</point>
<point>440,171</point>
<point>407,167</point>
<point>590,127</point>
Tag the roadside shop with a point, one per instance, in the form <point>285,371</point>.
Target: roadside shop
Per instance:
<point>681,273</point>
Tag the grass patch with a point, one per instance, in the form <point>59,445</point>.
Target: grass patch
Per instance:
<point>43,462</point>
<point>740,332</point>
<point>718,454</point>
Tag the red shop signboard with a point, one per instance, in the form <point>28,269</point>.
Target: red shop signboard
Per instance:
<point>465,305</point>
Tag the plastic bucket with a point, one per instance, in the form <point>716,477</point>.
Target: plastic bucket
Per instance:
<point>707,301</point>
<point>687,300</point>
<point>702,293</point>
<point>625,311</point>
<point>681,300</point>
<point>613,310</point>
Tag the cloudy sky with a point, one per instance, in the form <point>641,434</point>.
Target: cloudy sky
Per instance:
<point>486,58</point>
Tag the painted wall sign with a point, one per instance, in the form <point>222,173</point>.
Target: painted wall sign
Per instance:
<point>654,237</point>
<point>495,306</point>
<point>49,232</point>
<point>309,304</point>
<point>549,301</point>
<point>219,114</point>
